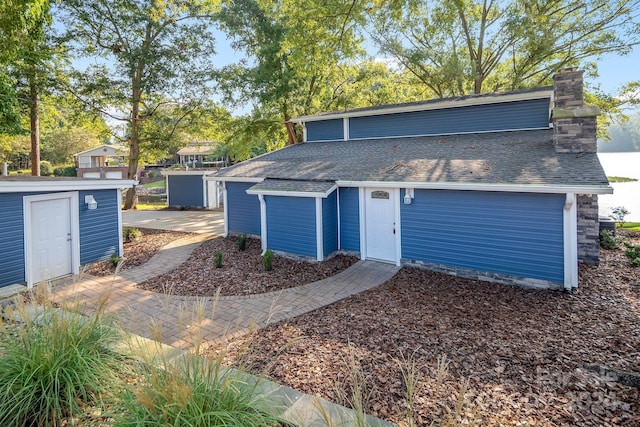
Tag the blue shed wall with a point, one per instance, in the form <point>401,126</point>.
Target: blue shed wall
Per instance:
<point>99,231</point>
<point>291,225</point>
<point>528,114</point>
<point>325,130</point>
<point>349,219</point>
<point>330,224</point>
<point>185,190</point>
<point>518,234</point>
<point>243,210</point>
<point>11,239</point>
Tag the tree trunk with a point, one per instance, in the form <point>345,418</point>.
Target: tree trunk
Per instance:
<point>131,199</point>
<point>35,125</point>
<point>291,133</point>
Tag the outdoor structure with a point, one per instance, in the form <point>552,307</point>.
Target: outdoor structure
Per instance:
<point>106,161</point>
<point>50,227</point>
<point>188,188</point>
<point>501,187</point>
<point>199,156</point>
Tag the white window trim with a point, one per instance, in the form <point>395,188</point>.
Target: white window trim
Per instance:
<point>74,218</point>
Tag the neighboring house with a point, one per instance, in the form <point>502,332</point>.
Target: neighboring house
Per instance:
<point>199,156</point>
<point>501,187</point>
<point>50,227</point>
<point>106,161</point>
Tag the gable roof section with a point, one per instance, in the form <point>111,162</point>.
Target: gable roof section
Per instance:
<point>433,104</point>
<point>105,150</point>
<point>519,158</point>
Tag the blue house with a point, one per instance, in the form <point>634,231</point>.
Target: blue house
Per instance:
<point>187,188</point>
<point>50,227</point>
<point>501,187</point>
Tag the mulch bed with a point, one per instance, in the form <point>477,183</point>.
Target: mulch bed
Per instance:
<point>137,252</point>
<point>242,272</point>
<point>526,356</point>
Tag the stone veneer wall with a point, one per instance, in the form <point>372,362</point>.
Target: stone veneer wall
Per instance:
<point>588,229</point>
<point>575,135</point>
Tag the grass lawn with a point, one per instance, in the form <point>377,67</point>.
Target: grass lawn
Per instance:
<point>151,206</point>
<point>620,179</point>
<point>154,184</point>
<point>635,226</point>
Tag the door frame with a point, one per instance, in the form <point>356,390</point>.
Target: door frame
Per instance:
<point>394,194</point>
<point>74,218</point>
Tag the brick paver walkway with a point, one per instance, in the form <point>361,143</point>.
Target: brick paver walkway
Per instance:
<point>183,322</point>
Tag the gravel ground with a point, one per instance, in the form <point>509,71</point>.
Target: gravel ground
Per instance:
<point>242,273</point>
<point>137,252</point>
<point>521,357</point>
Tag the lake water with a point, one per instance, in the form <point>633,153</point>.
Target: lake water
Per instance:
<point>625,194</point>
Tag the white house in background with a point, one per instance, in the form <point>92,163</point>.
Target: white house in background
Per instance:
<point>105,161</point>
<point>199,156</point>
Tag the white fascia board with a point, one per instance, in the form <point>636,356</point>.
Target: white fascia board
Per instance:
<point>53,185</point>
<point>429,106</point>
<point>185,172</point>
<point>314,194</point>
<point>513,188</point>
<point>232,178</point>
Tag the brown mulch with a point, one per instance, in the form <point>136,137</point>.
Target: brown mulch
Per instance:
<point>242,272</point>
<point>137,252</point>
<point>524,355</point>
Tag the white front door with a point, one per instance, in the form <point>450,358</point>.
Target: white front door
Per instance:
<point>380,223</point>
<point>50,248</point>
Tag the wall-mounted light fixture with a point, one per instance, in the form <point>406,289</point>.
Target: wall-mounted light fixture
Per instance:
<point>91,202</point>
<point>408,195</point>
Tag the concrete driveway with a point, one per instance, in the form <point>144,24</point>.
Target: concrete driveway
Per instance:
<point>211,222</point>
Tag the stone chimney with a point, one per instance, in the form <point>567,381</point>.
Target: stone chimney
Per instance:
<point>574,124</point>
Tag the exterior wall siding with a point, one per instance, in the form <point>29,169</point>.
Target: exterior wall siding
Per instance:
<point>11,239</point>
<point>325,130</point>
<point>528,114</point>
<point>185,190</point>
<point>291,225</point>
<point>516,234</point>
<point>349,219</point>
<point>99,231</point>
<point>330,224</point>
<point>243,209</point>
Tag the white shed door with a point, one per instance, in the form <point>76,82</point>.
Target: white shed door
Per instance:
<point>50,239</point>
<point>380,223</point>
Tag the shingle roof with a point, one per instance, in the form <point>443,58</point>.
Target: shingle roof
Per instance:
<point>519,157</point>
<point>280,185</point>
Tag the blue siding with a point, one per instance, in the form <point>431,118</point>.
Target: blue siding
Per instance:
<point>99,231</point>
<point>349,219</point>
<point>11,239</point>
<point>185,190</point>
<point>517,234</point>
<point>325,130</point>
<point>243,210</point>
<point>478,118</point>
<point>330,224</point>
<point>291,225</point>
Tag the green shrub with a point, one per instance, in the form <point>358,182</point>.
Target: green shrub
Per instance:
<point>267,260</point>
<point>178,166</point>
<point>52,366</point>
<point>114,259</point>
<point>131,234</point>
<point>619,214</point>
<point>65,171</point>
<point>633,253</point>
<point>242,242</point>
<point>198,393</point>
<point>217,255</point>
<point>608,240</point>
<point>45,168</point>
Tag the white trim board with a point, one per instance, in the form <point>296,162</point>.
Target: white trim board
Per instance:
<point>232,178</point>
<point>74,218</point>
<point>46,185</point>
<point>514,188</point>
<point>313,194</point>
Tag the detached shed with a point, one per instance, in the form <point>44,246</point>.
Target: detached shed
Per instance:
<point>188,188</point>
<point>50,227</point>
